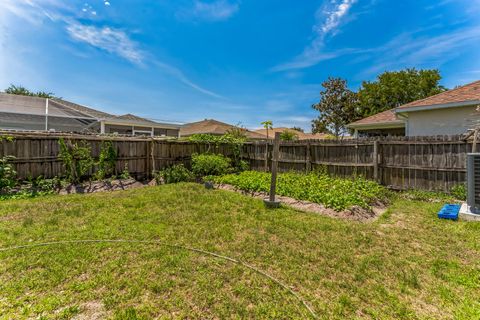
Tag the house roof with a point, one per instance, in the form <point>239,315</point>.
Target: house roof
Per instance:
<point>18,104</point>
<point>382,119</point>
<point>300,135</point>
<point>465,95</point>
<point>211,126</point>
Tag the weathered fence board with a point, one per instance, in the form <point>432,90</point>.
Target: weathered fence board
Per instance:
<point>433,163</point>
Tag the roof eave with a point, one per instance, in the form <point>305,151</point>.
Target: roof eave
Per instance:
<point>437,106</point>
<point>378,125</point>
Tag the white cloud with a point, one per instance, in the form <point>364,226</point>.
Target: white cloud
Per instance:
<point>108,39</point>
<point>328,19</point>
<point>107,3</point>
<point>180,76</point>
<point>210,11</point>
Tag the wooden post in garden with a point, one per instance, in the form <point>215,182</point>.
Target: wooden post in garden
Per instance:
<point>273,184</point>
<point>375,160</point>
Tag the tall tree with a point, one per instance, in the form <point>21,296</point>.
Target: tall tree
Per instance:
<point>392,89</point>
<point>20,90</point>
<point>268,125</point>
<point>337,107</point>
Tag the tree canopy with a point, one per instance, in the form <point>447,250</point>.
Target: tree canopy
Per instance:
<point>22,91</point>
<point>337,107</point>
<point>392,89</point>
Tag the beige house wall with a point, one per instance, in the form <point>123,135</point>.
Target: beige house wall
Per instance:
<point>446,121</point>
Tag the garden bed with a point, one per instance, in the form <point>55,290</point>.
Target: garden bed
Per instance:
<point>317,187</point>
<point>355,213</point>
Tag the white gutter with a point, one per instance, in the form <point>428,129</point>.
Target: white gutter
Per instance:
<point>437,106</point>
<point>378,125</point>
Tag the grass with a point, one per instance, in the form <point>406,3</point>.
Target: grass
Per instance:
<point>406,265</point>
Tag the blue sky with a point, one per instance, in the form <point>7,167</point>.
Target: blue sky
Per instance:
<point>239,61</point>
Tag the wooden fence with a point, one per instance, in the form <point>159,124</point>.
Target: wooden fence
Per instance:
<point>433,163</point>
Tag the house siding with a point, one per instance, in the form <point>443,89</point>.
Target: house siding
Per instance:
<point>447,121</point>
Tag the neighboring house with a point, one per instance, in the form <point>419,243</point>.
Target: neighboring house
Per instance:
<point>448,113</point>
<point>214,127</point>
<point>301,135</point>
<point>39,114</point>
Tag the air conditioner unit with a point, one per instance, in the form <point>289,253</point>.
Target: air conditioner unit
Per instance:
<point>473,182</point>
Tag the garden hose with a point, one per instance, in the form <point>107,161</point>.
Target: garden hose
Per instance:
<point>246,265</point>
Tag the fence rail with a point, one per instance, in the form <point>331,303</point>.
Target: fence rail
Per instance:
<point>431,163</point>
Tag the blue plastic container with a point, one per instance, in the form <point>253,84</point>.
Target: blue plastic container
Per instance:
<point>449,211</point>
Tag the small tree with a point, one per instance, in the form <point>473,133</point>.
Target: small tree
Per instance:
<point>298,129</point>
<point>288,135</point>
<point>336,107</point>
<point>268,125</point>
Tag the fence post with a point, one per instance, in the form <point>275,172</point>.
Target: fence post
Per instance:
<point>147,159</point>
<point>273,184</point>
<point>375,161</point>
<point>266,155</point>
<point>308,162</point>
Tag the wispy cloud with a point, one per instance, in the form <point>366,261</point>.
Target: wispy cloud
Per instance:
<point>180,76</point>
<point>328,19</point>
<point>210,11</point>
<point>111,40</point>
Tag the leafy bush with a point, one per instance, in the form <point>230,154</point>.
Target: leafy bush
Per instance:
<point>288,135</point>
<point>459,192</point>
<point>336,193</point>
<point>77,159</point>
<point>210,164</point>
<point>7,174</point>
<point>106,160</point>
<point>174,174</point>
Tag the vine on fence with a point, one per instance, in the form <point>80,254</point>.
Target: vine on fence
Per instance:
<point>7,174</point>
<point>76,158</point>
<point>106,160</point>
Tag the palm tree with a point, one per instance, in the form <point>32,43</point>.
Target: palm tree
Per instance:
<point>268,124</point>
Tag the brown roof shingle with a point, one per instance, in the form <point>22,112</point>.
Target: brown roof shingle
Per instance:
<point>211,126</point>
<point>385,117</point>
<point>300,135</point>
<point>469,92</point>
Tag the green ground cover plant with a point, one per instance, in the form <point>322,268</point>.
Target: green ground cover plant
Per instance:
<point>408,264</point>
<point>318,187</point>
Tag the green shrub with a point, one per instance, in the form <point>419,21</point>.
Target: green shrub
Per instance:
<point>7,174</point>
<point>459,192</point>
<point>318,187</point>
<point>174,174</point>
<point>210,164</point>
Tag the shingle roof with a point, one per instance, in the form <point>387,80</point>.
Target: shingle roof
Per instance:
<point>300,135</point>
<point>133,117</point>
<point>211,126</point>
<point>466,93</point>
<point>385,117</point>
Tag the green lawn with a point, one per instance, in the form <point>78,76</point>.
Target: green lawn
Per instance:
<point>408,264</point>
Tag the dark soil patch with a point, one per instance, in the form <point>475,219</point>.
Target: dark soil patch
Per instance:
<point>101,186</point>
